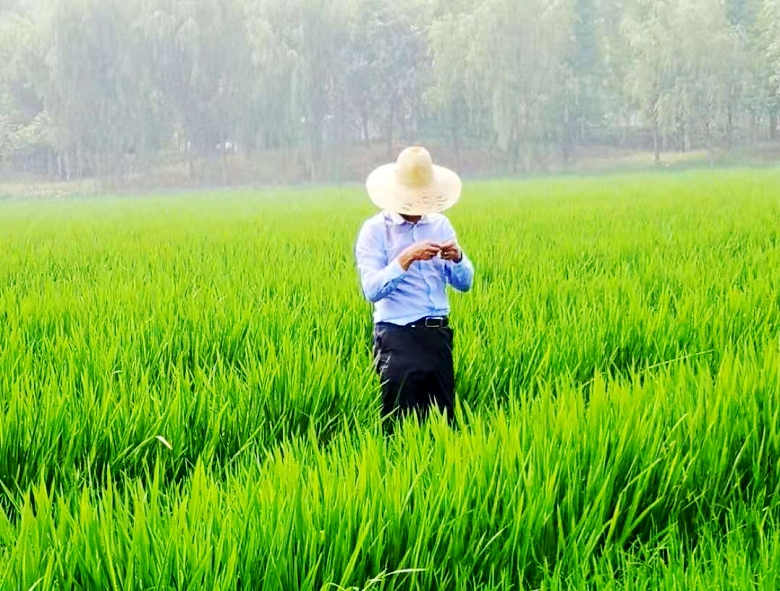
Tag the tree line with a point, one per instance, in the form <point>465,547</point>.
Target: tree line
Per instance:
<point>102,87</point>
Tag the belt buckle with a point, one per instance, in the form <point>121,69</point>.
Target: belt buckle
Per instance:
<point>437,322</point>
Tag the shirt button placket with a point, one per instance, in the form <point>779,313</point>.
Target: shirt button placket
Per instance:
<point>431,303</point>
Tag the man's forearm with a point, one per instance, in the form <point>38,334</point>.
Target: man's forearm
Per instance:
<point>405,260</point>
<point>379,284</point>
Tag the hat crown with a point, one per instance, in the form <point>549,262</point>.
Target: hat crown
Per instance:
<point>413,184</point>
<point>415,168</point>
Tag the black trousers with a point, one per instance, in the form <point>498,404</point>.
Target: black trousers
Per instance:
<point>415,366</point>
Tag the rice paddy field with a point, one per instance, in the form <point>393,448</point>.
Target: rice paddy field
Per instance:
<point>187,399</point>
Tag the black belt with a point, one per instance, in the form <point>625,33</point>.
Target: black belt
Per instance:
<point>431,322</point>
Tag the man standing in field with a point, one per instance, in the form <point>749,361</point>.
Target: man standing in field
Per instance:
<point>406,256</point>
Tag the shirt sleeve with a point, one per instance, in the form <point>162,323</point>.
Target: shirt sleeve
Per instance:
<point>459,275</point>
<point>378,278</point>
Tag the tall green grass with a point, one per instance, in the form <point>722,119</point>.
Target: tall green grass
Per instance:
<point>186,397</point>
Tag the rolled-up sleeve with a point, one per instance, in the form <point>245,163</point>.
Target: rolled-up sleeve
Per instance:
<point>378,278</point>
<point>461,275</point>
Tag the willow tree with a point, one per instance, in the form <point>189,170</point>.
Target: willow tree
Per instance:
<point>25,130</point>
<point>524,65</point>
<point>683,53</point>
<point>394,47</point>
<point>455,77</point>
<point>93,94</point>
<point>706,54</point>
<point>770,42</point>
<point>200,64</point>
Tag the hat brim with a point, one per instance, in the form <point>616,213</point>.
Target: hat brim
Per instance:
<point>388,193</point>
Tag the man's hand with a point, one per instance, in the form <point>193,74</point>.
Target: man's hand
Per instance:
<point>450,251</point>
<point>421,251</point>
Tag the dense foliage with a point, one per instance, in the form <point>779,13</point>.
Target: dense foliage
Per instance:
<point>102,87</point>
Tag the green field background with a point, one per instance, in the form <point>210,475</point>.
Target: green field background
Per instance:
<point>187,399</point>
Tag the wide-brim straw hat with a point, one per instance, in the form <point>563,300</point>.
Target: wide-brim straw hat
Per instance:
<point>414,185</point>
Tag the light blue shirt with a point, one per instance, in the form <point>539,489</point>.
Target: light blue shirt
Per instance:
<point>401,297</point>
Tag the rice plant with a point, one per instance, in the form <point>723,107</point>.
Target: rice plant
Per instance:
<point>187,401</point>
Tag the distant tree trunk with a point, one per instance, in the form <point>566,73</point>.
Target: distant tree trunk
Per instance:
<point>773,126</point>
<point>414,122</point>
<point>364,125</point>
<point>391,127</point>
<point>568,137</point>
<point>624,133</point>
<point>311,173</point>
<point>315,151</point>
<point>515,155</point>
<point>513,150</point>
<point>67,162</point>
<point>191,162</point>
<point>656,140</point>
<point>99,164</point>
<point>455,137</point>
<point>730,126</point>
<point>225,175</point>
<point>404,136</point>
<point>223,157</point>
<point>79,162</point>
<point>389,141</point>
<point>249,143</point>
<point>49,163</point>
<point>528,156</point>
<point>62,165</point>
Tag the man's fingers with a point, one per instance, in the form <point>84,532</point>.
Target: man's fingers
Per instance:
<point>428,250</point>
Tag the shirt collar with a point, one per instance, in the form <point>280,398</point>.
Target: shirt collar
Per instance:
<point>400,221</point>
